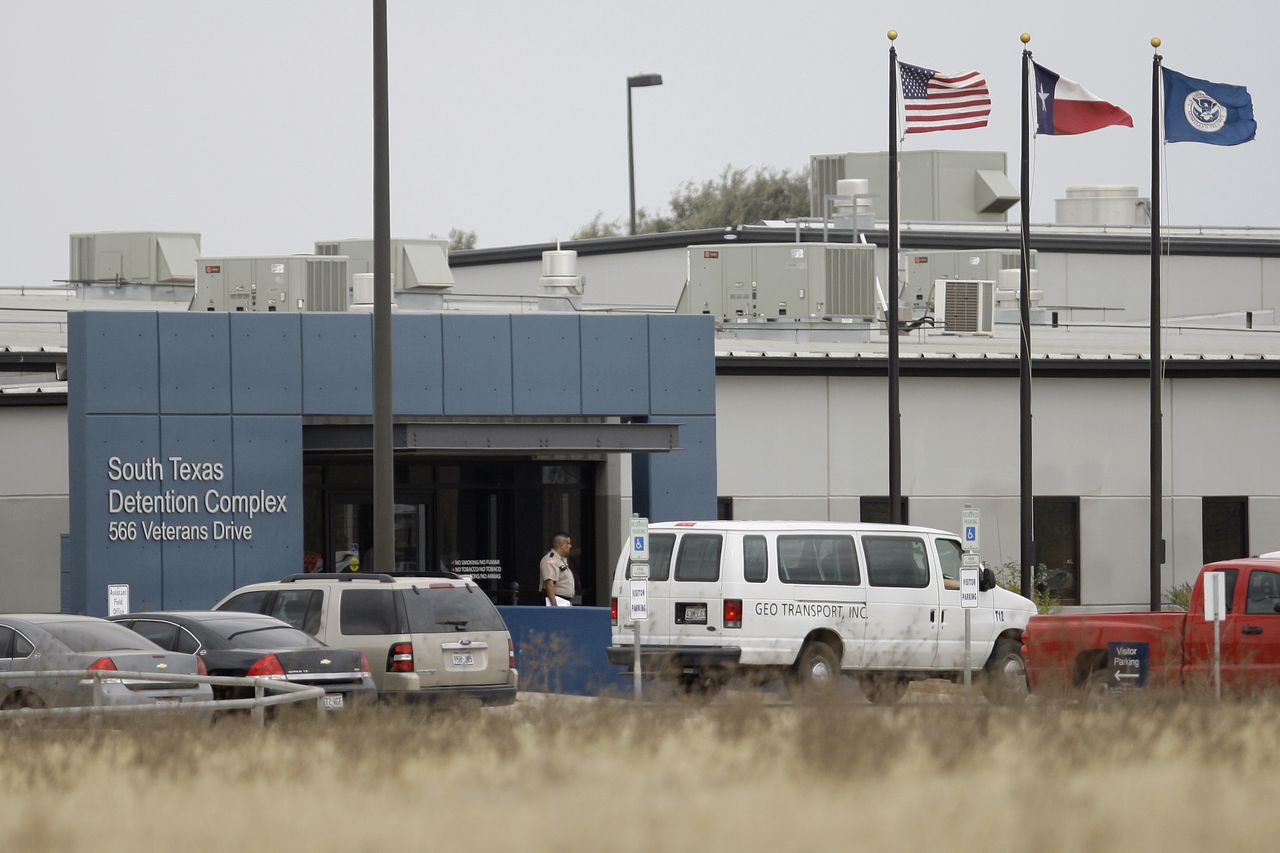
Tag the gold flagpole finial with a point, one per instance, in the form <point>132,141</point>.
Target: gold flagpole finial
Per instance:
<point>1025,38</point>
<point>1155,42</point>
<point>893,34</point>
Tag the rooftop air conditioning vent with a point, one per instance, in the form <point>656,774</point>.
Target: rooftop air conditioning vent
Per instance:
<point>964,306</point>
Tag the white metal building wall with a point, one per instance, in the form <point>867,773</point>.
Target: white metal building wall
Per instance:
<point>809,447</point>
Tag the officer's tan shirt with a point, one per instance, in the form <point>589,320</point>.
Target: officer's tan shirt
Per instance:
<point>555,568</point>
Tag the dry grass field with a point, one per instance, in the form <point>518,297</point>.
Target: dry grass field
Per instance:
<point>565,774</point>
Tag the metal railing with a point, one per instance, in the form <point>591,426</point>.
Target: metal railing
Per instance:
<point>286,693</point>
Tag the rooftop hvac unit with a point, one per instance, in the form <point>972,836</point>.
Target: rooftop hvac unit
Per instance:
<point>776,281</point>
<point>134,257</point>
<point>964,306</point>
<point>288,283</point>
<point>420,265</point>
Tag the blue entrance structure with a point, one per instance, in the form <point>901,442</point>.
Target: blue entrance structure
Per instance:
<point>186,429</point>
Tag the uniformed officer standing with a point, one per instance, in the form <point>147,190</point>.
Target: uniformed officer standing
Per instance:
<point>554,572</point>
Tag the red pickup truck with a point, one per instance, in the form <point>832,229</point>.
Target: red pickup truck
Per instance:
<point>1097,651</point>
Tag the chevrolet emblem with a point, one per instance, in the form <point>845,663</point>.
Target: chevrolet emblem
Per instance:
<point>162,666</point>
<point>325,661</point>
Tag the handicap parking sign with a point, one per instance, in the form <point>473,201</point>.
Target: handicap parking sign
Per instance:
<point>638,547</point>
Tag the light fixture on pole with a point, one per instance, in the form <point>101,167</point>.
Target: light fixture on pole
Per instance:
<point>635,81</point>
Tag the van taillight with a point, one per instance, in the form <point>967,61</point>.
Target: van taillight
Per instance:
<point>613,611</point>
<point>267,665</point>
<point>733,612</point>
<point>400,657</point>
<point>511,654</point>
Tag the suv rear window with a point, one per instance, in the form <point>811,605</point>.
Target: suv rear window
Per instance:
<point>369,611</point>
<point>440,610</point>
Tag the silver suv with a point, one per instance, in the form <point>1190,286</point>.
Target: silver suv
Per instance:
<point>431,636</point>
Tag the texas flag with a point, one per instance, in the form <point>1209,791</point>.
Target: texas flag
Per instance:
<point>1064,106</point>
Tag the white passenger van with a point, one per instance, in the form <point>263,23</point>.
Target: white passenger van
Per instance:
<point>810,600</point>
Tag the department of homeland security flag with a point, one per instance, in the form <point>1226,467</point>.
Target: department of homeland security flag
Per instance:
<point>1201,111</point>
<point>935,101</point>
<point>1064,106</point>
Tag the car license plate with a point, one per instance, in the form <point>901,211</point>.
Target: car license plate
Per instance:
<point>464,659</point>
<point>332,701</point>
<point>694,614</point>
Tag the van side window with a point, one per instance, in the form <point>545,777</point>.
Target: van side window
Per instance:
<point>896,561</point>
<point>818,559</point>
<point>755,559</point>
<point>660,547</point>
<point>949,558</point>
<point>699,557</point>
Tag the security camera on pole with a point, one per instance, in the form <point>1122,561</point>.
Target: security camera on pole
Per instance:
<point>970,568</point>
<point>639,603</point>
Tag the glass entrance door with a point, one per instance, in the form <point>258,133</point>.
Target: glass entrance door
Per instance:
<point>351,533</point>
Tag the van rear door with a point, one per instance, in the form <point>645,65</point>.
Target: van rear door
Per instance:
<point>695,603</point>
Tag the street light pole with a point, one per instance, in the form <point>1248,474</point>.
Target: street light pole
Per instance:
<point>633,82</point>
<point>384,531</point>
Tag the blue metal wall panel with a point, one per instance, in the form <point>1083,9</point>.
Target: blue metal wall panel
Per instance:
<point>477,364</point>
<point>682,365</point>
<point>337,364</point>
<point>73,590</point>
<point>615,365</point>
<point>268,457</point>
<point>682,484</point>
<point>196,572</point>
<point>562,649</point>
<point>266,363</point>
<point>195,363</point>
<point>546,364</point>
<point>136,560</point>
<point>121,348</point>
<point>417,364</point>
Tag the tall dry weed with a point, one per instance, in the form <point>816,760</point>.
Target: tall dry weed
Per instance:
<point>741,774</point>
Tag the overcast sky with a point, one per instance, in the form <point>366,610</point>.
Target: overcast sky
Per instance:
<point>250,121</point>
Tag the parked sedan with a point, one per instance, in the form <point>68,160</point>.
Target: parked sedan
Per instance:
<point>45,641</point>
<point>251,644</point>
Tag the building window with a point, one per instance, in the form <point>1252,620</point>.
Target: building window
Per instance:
<point>724,509</point>
<point>1224,528</point>
<point>875,510</point>
<point>1057,537</point>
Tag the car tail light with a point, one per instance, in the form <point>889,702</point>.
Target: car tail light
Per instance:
<point>400,657</point>
<point>268,666</point>
<point>201,669</point>
<point>511,654</point>
<point>364,664</point>
<point>733,612</point>
<point>102,665</point>
<point>613,610</point>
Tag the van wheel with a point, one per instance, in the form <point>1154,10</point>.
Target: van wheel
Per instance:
<point>1005,680</point>
<point>882,688</point>
<point>818,668</point>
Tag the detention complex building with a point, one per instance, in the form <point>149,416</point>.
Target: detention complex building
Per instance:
<point>186,424</point>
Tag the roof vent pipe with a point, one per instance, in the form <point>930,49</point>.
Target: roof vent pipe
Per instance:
<point>561,284</point>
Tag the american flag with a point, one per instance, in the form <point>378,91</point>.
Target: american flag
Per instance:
<point>935,101</point>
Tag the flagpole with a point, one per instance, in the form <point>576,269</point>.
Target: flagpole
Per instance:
<point>1157,455</point>
<point>891,298</point>
<point>1028,550</point>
